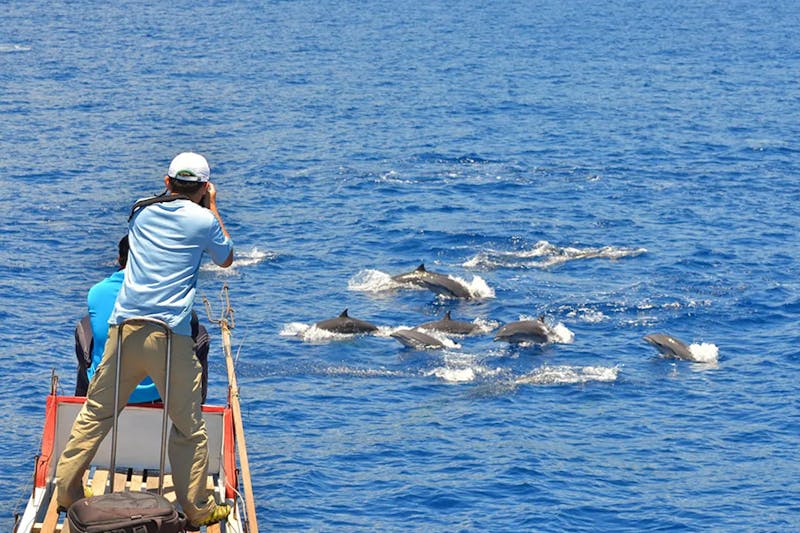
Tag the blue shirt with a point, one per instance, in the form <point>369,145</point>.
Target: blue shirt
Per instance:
<point>167,241</point>
<point>100,300</point>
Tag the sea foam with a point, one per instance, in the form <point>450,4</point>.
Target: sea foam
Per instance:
<point>565,375</point>
<point>241,259</point>
<point>544,254</point>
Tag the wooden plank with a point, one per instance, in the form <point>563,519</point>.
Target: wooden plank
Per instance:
<point>136,483</point>
<point>51,518</point>
<point>91,478</point>
<point>152,480</point>
<point>120,481</point>
<point>233,400</point>
<point>98,482</point>
<point>169,488</point>
<point>152,484</point>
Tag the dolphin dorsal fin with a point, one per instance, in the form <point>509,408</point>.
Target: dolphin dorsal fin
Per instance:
<point>421,268</point>
<point>447,316</point>
<point>344,314</point>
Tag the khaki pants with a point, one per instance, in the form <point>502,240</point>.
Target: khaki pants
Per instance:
<point>144,348</point>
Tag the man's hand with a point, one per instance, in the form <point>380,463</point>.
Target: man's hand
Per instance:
<point>210,198</point>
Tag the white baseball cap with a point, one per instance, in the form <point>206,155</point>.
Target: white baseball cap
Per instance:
<point>189,166</point>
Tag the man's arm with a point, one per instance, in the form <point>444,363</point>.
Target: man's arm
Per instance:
<point>211,195</point>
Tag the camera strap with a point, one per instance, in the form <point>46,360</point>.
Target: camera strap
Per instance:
<point>158,199</point>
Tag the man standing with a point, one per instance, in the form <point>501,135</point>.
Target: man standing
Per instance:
<point>167,238</point>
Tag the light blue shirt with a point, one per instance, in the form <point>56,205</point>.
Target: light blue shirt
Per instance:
<point>100,302</point>
<point>167,241</point>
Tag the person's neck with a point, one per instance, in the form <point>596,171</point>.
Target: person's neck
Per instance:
<point>196,197</point>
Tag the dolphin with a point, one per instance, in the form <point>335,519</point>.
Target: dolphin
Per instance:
<point>438,283</point>
<point>345,324</point>
<point>524,331</point>
<point>448,325</point>
<point>411,338</point>
<point>670,346</point>
<point>411,278</point>
<point>444,285</point>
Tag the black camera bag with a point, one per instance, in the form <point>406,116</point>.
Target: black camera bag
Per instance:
<point>125,512</point>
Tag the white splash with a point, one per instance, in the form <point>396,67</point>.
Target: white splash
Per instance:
<point>592,316</point>
<point>478,288</point>
<point>567,375</point>
<point>253,257</point>
<point>704,353</point>
<point>453,375</point>
<point>544,255</point>
<point>561,334</point>
<point>386,331</point>
<point>370,280</point>
<point>294,329</point>
<point>461,368</point>
<point>313,334</point>
<point>241,259</point>
<point>361,372</point>
<point>447,341</point>
<point>485,325</point>
<point>10,48</point>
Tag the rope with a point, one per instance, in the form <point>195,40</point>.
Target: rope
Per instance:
<point>227,314</point>
<point>226,322</point>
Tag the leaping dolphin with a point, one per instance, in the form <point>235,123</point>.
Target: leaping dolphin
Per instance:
<point>345,324</point>
<point>671,347</point>
<point>524,331</point>
<point>416,340</point>
<point>438,283</point>
<point>412,277</point>
<point>448,325</point>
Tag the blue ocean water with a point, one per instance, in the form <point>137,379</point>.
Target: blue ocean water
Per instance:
<point>621,168</point>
